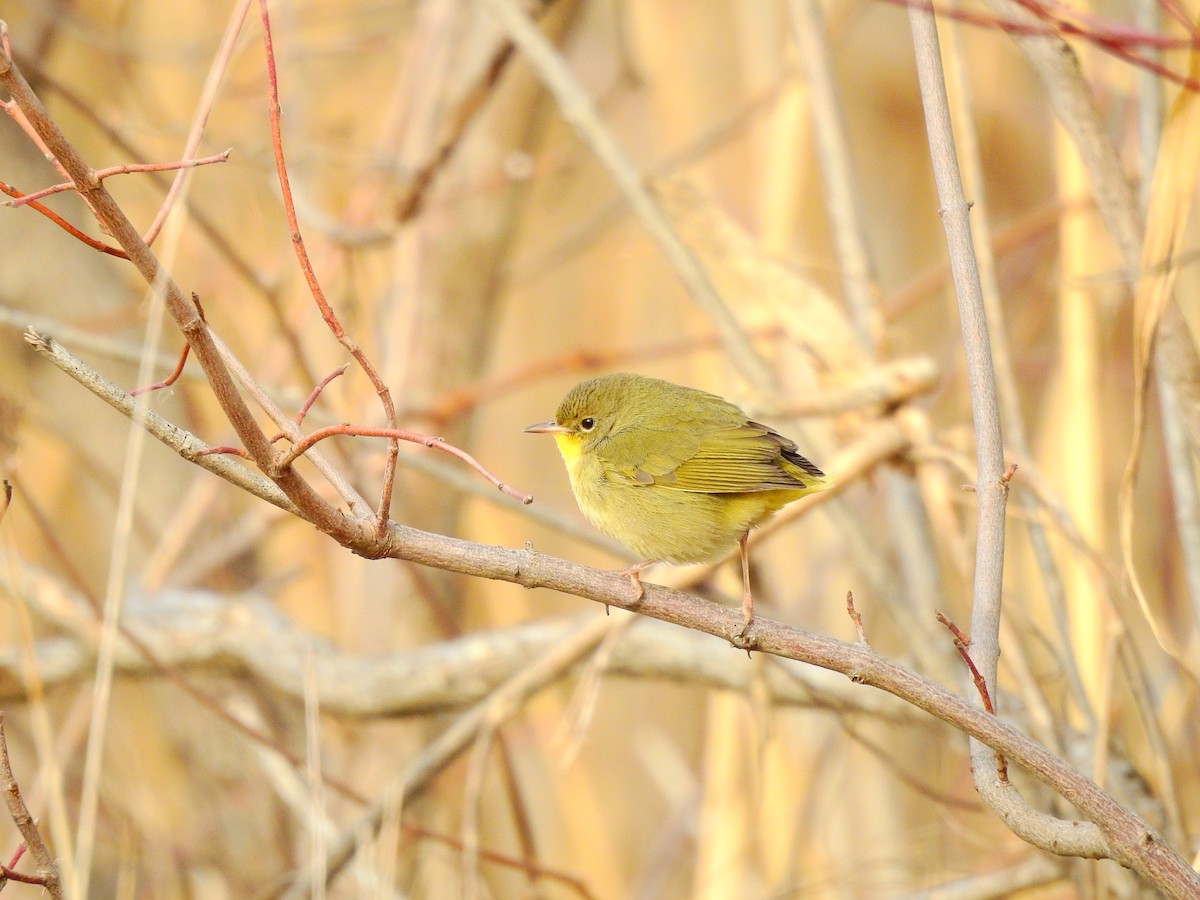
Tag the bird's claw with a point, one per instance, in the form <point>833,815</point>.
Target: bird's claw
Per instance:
<point>639,589</point>
<point>742,639</point>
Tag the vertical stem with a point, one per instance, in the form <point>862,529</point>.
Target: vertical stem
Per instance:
<point>991,491</point>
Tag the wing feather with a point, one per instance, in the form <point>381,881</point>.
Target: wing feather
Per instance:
<point>731,456</point>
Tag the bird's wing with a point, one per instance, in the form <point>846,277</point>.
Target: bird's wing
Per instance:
<point>726,458</point>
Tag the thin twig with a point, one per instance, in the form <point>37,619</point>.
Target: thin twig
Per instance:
<point>961,644</point>
<point>856,618</point>
<point>302,446</point>
<point>64,224</point>
<point>992,489</point>
<point>383,512</point>
<point>170,379</point>
<point>959,88</point>
<point>316,393</point>
<point>127,169</point>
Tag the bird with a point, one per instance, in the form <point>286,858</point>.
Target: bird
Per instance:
<point>673,473</point>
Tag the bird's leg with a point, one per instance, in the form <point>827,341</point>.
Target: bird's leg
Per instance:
<point>747,597</point>
<point>634,573</point>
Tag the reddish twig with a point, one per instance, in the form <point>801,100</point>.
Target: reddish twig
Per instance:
<point>183,355</point>
<point>314,286</point>
<point>170,379</point>
<point>1115,41</point>
<point>128,168</point>
<point>312,398</point>
<point>16,857</point>
<point>8,874</point>
<point>397,434</point>
<point>62,223</point>
<point>961,643</point>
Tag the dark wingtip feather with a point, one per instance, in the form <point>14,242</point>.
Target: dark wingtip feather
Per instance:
<point>797,460</point>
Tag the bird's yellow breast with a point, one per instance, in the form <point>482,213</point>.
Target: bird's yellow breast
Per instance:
<point>658,522</point>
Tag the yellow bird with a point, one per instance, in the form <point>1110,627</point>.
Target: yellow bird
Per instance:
<point>675,474</point>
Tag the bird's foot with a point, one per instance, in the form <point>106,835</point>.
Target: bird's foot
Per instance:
<point>634,574</point>
<point>742,638</point>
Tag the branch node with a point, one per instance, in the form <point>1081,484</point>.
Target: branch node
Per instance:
<point>961,643</point>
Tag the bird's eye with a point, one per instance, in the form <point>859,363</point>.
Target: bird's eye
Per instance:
<point>587,424</point>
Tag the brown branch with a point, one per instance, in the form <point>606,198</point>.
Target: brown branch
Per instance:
<point>47,868</point>
<point>113,219</point>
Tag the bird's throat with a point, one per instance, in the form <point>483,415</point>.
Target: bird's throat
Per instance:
<point>570,448</point>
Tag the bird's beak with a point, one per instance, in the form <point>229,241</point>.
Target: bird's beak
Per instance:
<point>550,427</point>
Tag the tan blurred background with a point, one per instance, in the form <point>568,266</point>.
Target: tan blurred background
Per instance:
<point>522,272</point>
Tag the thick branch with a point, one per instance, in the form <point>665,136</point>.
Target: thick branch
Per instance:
<point>114,221</point>
<point>1117,832</point>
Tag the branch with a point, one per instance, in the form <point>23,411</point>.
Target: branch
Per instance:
<point>1113,832</point>
<point>114,221</point>
<point>314,284</point>
<point>1131,840</point>
<point>181,441</point>
<point>46,866</point>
